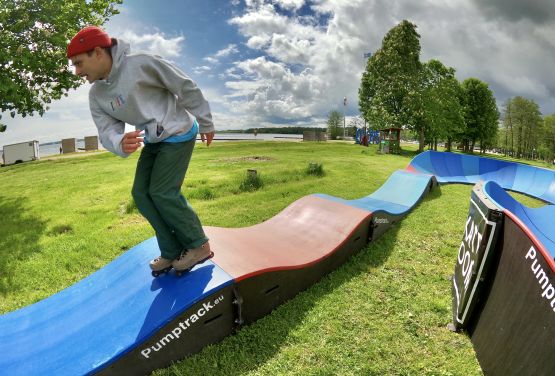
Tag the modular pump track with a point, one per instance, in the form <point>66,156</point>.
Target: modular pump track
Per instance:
<point>121,321</point>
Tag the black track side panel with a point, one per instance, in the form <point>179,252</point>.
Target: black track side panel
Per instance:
<point>515,332</point>
<point>204,323</point>
<point>381,222</point>
<point>264,292</point>
<point>476,257</point>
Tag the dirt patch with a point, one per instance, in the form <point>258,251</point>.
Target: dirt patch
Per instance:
<point>254,158</point>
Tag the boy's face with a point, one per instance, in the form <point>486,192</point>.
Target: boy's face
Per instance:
<point>88,65</point>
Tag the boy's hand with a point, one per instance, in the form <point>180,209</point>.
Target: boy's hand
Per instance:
<point>208,137</point>
<point>131,141</point>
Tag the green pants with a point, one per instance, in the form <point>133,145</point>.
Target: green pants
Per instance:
<point>157,192</point>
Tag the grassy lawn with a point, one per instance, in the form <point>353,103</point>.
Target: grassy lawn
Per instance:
<point>384,312</point>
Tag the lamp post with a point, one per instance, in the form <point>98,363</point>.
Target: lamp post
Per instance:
<point>344,109</point>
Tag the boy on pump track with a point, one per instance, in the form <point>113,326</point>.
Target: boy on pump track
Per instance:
<point>168,110</point>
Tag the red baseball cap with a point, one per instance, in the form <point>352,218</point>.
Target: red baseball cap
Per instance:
<point>87,39</point>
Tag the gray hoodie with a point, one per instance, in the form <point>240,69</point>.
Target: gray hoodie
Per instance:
<point>148,92</point>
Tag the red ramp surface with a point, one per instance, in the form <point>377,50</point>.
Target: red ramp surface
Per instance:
<point>307,231</point>
<point>273,261</point>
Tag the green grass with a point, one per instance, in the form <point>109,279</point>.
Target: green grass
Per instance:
<point>383,313</point>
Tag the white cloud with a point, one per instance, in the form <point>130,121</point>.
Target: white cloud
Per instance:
<point>290,49</point>
<point>225,52</point>
<point>258,41</point>
<point>156,43</point>
<point>229,50</point>
<point>290,4</point>
<point>201,69</point>
<point>307,64</point>
<point>261,20</point>
<point>273,90</point>
<point>210,60</point>
<point>231,73</point>
<point>309,68</point>
<point>241,88</point>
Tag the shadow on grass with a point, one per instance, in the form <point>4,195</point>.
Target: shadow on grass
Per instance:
<point>409,153</point>
<point>255,344</point>
<point>19,238</point>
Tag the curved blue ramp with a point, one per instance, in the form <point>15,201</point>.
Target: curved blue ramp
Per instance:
<point>539,221</point>
<point>467,169</point>
<point>397,196</point>
<point>92,324</point>
<point>392,201</point>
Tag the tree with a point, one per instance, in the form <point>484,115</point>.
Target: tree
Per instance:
<point>442,96</point>
<point>33,39</point>
<point>522,127</point>
<point>507,136</point>
<point>335,121</point>
<point>480,113</point>
<point>547,142</point>
<point>390,89</point>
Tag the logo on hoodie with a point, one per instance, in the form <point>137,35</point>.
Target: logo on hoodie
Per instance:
<point>117,102</point>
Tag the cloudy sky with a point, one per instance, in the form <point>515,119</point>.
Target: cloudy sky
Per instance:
<point>290,62</point>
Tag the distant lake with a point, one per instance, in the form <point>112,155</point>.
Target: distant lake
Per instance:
<point>54,148</point>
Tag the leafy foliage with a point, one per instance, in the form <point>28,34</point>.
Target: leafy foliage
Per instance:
<point>523,129</point>
<point>33,39</point>
<point>335,120</point>
<point>547,142</point>
<point>389,94</point>
<point>397,90</point>
<point>481,115</point>
<point>442,103</point>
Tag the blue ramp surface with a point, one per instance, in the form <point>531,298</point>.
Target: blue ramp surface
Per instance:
<point>459,168</point>
<point>397,196</point>
<point>85,327</point>
<point>538,220</point>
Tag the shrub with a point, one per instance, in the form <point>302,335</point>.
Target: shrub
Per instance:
<point>251,182</point>
<point>316,169</point>
<point>202,193</point>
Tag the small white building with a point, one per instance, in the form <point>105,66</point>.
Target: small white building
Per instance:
<point>20,152</point>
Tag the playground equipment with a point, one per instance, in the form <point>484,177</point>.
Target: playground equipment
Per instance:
<point>390,140</point>
<point>120,320</point>
<point>365,136</point>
